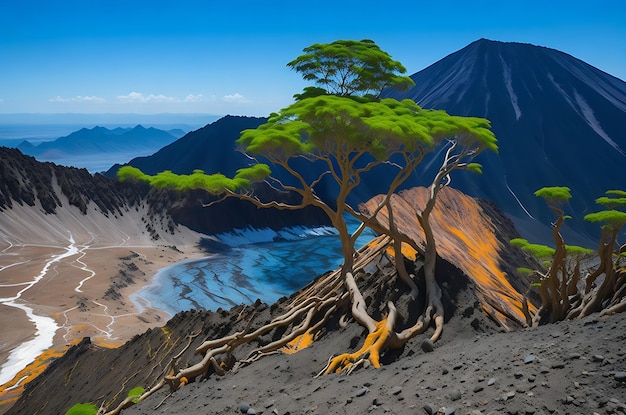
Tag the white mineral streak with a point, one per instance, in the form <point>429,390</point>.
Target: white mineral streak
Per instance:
<point>508,83</point>
<point>588,115</point>
<point>518,201</point>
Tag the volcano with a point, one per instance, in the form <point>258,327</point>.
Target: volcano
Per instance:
<point>559,122</point>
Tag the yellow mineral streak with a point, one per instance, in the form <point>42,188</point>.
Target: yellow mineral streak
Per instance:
<point>407,251</point>
<point>11,391</point>
<point>303,341</point>
<point>466,238</point>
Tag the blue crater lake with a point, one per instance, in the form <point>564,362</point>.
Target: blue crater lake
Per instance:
<point>244,273</point>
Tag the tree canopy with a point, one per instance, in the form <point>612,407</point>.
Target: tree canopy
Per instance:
<point>554,196</point>
<point>614,217</point>
<point>349,68</point>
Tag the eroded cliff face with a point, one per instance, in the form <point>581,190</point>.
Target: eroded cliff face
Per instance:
<point>51,191</point>
<point>472,235</point>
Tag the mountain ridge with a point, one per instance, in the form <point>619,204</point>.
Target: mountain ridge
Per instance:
<point>26,181</point>
<point>101,140</point>
<point>558,121</point>
<point>211,148</point>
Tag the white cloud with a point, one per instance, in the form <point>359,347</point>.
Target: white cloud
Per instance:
<point>77,98</point>
<point>193,98</point>
<point>141,98</point>
<point>237,98</point>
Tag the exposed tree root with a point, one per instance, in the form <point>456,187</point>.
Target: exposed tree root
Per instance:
<point>381,334</point>
<point>331,297</point>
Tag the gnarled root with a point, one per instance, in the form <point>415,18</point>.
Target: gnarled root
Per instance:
<point>375,342</point>
<point>381,334</point>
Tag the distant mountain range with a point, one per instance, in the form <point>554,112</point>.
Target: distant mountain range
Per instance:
<point>102,140</point>
<point>558,120</point>
<point>211,148</point>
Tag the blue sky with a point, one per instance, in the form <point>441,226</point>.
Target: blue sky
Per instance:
<point>229,57</point>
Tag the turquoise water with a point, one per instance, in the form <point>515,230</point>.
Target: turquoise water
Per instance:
<point>265,271</point>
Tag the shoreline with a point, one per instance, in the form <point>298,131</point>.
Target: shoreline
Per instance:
<point>144,304</point>
<point>84,291</point>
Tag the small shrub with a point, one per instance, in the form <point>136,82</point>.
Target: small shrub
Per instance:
<point>83,409</point>
<point>136,393</point>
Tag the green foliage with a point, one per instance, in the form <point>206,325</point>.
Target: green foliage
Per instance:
<point>83,409</point>
<point>349,68</point>
<point>325,125</point>
<point>255,173</point>
<point>611,202</point>
<point>613,218</point>
<point>536,250</point>
<point>213,183</point>
<point>130,173</point>
<point>136,393</point>
<point>524,271</point>
<point>310,92</point>
<point>554,195</point>
<point>575,250</point>
<point>475,168</point>
<point>330,125</point>
<point>618,193</point>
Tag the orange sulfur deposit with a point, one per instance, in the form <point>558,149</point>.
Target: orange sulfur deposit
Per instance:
<point>465,237</point>
<point>11,391</point>
<point>301,342</point>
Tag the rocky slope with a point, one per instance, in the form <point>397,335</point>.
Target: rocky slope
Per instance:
<point>27,182</point>
<point>90,373</point>
<point>571,368</point>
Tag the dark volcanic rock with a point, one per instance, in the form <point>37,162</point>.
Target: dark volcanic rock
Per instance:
<point>24,180</point>
<point>559,122</point>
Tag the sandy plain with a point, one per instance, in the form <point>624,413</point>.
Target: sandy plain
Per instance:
<point>68,276</point>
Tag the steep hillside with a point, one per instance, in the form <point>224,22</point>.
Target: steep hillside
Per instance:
<point>73,245</point>
<point>558,120</point>
<point>25,181</point>
<point>142,360</point>
<point>211,148</point>
<point>473,235</point>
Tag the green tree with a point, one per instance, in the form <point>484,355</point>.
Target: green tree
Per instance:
<point>349,68</point>
<point>559,282</point>
<point>610,296</point>
<point>349,130</point>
